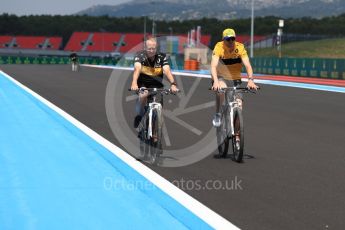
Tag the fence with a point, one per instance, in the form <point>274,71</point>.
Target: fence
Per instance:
<point>303,67</point>
<point>55,60</point>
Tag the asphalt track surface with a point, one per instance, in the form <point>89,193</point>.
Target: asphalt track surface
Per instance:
<point>292,174</point>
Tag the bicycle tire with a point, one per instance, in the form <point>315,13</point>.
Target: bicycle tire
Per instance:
<point>222,134</point>
<point>143,141</point>
<point>238,145</point>
<point>156,143</point>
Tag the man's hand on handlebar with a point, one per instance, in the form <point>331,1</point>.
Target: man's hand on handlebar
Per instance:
<point>216,86</point>
<point>134,87</point>
<point>174,89</point>
<point>251,85</point>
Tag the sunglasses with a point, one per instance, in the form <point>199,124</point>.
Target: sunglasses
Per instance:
<point>229,39</point>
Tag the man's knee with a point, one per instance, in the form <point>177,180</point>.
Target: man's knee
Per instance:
<point>143,96</point>
<point>239,100</point>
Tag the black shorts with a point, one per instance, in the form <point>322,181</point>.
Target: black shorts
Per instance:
<point>229,83</point>
<point>155,84</point>
<point>150,84</point>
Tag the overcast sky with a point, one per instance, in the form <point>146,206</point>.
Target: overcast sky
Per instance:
<point>62,7</point>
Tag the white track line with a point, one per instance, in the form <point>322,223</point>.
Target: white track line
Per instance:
<point>336,89</point>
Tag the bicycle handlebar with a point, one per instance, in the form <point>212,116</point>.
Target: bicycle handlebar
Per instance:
<point>158,90</point>
<point>234,88</point>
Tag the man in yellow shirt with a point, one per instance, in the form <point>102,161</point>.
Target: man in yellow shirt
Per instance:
<point>227,59</point>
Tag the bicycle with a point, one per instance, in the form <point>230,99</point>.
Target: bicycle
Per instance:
<point>232,126</point>
<point>151,125</point>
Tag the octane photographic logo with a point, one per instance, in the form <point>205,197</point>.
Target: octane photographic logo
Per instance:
<point>188,135</point>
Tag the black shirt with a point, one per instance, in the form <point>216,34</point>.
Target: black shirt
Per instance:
<point>73,56</point>
<point>151,73</point>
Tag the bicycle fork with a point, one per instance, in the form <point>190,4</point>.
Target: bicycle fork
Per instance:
<point>152,106</point>
<point>232,105</point>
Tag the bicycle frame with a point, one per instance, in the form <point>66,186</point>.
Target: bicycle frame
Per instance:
<point>151,125</point>
<point>232,104</point>
<point>152,106</point>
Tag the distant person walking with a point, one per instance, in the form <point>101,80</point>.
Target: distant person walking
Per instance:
<point>74,61</point>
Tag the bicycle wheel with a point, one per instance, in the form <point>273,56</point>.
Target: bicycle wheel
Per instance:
<point>143,141</point>
<point>238,138</point>
<point>156,140</point>
<point>222,134</point>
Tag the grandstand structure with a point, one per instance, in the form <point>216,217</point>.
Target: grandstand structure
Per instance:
<point>103,42</point>
<point>90,43</point>
<point>123,42</point>
<point>31,42</point>
<point>97,44</point>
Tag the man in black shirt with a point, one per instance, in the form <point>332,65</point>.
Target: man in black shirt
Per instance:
<point>149,66</point>
<point>74,61</point>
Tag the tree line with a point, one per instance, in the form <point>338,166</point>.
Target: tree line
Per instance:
<point>64,26</point>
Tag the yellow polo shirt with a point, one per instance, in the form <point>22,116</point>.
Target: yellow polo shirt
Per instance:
<point>230,62</point>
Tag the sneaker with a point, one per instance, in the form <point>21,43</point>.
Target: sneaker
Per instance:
<point>137,120</point>
<point>216,120</point>
<point>237,142</point>
<point>238,146</point>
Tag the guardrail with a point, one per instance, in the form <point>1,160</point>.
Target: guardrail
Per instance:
<point>55,60</point>
<point>303,67</point>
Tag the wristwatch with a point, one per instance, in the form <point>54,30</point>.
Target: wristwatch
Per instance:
<point>173,83</point>
<point>250,78</point>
